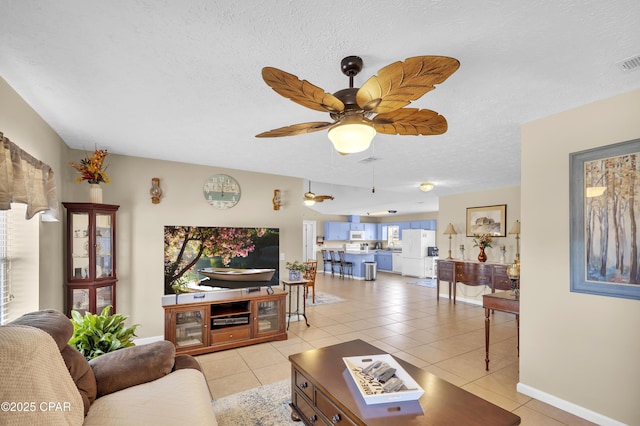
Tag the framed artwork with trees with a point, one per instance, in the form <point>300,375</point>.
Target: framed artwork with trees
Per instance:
<point>605,216</point>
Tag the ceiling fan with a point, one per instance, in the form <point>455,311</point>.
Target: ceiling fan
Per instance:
<point>310,198</point>
<point>352,110</point>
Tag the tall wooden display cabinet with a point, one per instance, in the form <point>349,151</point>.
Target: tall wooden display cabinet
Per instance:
<point>91,257</point>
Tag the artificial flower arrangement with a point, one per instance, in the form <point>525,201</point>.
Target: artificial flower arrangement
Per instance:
<point>482,240</point>
<point>295,266</point>
<point>92,168</point>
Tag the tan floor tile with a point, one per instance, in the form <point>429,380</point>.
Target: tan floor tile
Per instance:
<point>268,355</point>
<point>232,384</point>
<point>531,417</point>
<point>224,367</point>
<point>556,413</point>
<point>429,353</point>
<point>273,373</point>
<point>493,397</point>
<point>325,341</point>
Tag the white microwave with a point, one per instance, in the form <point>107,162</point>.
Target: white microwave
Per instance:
<point>356,235</point>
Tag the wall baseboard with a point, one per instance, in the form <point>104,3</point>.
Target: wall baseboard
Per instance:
<point>147,340</point>
<point>567,406</point>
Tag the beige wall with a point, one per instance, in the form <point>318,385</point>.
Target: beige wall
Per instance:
<point>23,126</point>
<point>140,224</point>
<point>581,348</point>
<point>453,209</point>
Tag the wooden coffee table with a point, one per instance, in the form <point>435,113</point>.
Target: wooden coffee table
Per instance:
<point>323,392</point>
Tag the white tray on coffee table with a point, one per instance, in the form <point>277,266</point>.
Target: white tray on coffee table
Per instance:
<point>372,394</point>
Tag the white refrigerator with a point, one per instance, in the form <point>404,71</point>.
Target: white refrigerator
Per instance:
<point>414,251</point>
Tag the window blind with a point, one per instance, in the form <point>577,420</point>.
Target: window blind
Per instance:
<point>5,286</point>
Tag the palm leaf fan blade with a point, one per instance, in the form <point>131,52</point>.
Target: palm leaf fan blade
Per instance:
<point>296,129</point>
<point>399,83</point>
<point>301,91</point>
<point>410,121</point>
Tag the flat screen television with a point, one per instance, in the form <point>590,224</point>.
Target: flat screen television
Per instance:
<point>200,258</point>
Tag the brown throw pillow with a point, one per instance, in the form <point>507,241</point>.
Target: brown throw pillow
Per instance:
<point>132,366</point>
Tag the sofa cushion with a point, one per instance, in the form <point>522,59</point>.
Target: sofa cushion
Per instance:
<point>82,374</point>
<point>33,372</point>
<point>132,366</point>
<point>53,322</point>
<point>58,326</point>
<point>179,398</point>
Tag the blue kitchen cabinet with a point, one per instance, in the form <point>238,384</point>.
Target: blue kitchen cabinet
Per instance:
<point>423,224</point>
<point>370,231</point>
<point>384,261</point>
<point>356,226</point>
<point>336,231</point>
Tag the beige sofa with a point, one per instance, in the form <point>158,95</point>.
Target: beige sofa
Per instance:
<point>46,381</point>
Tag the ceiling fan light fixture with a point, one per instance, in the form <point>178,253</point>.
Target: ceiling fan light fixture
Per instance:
<point>309,202</point>
<point>351,135</point>
<point>426,186</point>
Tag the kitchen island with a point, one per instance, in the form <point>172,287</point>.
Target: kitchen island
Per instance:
<point>357,257</point>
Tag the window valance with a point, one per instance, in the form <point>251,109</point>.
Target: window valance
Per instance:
<point>25,179</point>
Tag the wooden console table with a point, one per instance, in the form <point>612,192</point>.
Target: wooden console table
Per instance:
<point>492,275</point>
<point>504,302</point>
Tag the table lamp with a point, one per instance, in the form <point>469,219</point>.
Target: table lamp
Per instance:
<point>515,229</point>
<point>450,231</point>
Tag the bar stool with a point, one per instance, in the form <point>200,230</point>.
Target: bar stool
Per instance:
<point>345,267</point>
<point>335,261</point>
<point>326,258</point>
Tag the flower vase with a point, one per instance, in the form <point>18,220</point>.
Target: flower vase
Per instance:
<point>482,257</point>
<point>95,193</point>
<point>294,275</point>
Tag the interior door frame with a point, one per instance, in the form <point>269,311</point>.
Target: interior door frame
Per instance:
<point>309,239</point>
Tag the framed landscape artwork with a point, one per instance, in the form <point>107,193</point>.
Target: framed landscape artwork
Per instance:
<point>605,216</point>
<point>487,220</point>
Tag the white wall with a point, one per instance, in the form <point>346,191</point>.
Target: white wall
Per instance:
<point>580,348</point>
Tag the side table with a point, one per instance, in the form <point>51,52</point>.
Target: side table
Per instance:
<point>504,302</point>
<point>297,285</point>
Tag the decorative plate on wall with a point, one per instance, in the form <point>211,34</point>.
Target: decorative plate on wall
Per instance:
<point>221,191</point>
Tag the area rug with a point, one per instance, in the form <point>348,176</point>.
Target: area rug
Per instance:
<point>323,299</point>
<point>266,405</point>
<point>425,283</point>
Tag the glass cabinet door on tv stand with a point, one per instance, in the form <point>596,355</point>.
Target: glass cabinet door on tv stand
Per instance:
<point>91,257</point>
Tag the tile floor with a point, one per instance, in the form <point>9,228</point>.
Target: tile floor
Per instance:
<point>402,319</point>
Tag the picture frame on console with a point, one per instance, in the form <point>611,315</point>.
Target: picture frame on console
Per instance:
<point>487,220</point>
<point>603,186</point>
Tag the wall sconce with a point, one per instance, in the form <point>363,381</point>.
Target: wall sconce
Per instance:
<point>277,200</point>
<point>155,191</point>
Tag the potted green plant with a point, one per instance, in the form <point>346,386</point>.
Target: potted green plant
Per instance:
<point>94,335</point>
<point>295,270</point>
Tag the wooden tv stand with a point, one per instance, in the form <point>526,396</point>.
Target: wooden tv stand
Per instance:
<point>207,322</point>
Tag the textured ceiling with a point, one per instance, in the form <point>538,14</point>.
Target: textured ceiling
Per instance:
<point>181,80</point>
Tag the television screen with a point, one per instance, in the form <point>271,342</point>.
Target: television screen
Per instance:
<point>198,258</point>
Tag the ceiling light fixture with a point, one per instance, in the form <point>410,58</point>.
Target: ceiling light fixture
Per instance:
<point>382,212</point>
<point>426,186</point>
<point>309,202</point>
<point>352,134</point>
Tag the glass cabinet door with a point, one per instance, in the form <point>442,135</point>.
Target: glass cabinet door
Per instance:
<point>268,318</point>
<point>104,298</point>
<point>189,328</point>
<point>103,237</point>
<point>80,297</point>
<point>80,246</point>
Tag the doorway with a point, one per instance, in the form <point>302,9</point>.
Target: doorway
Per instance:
<point>309,239</point>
